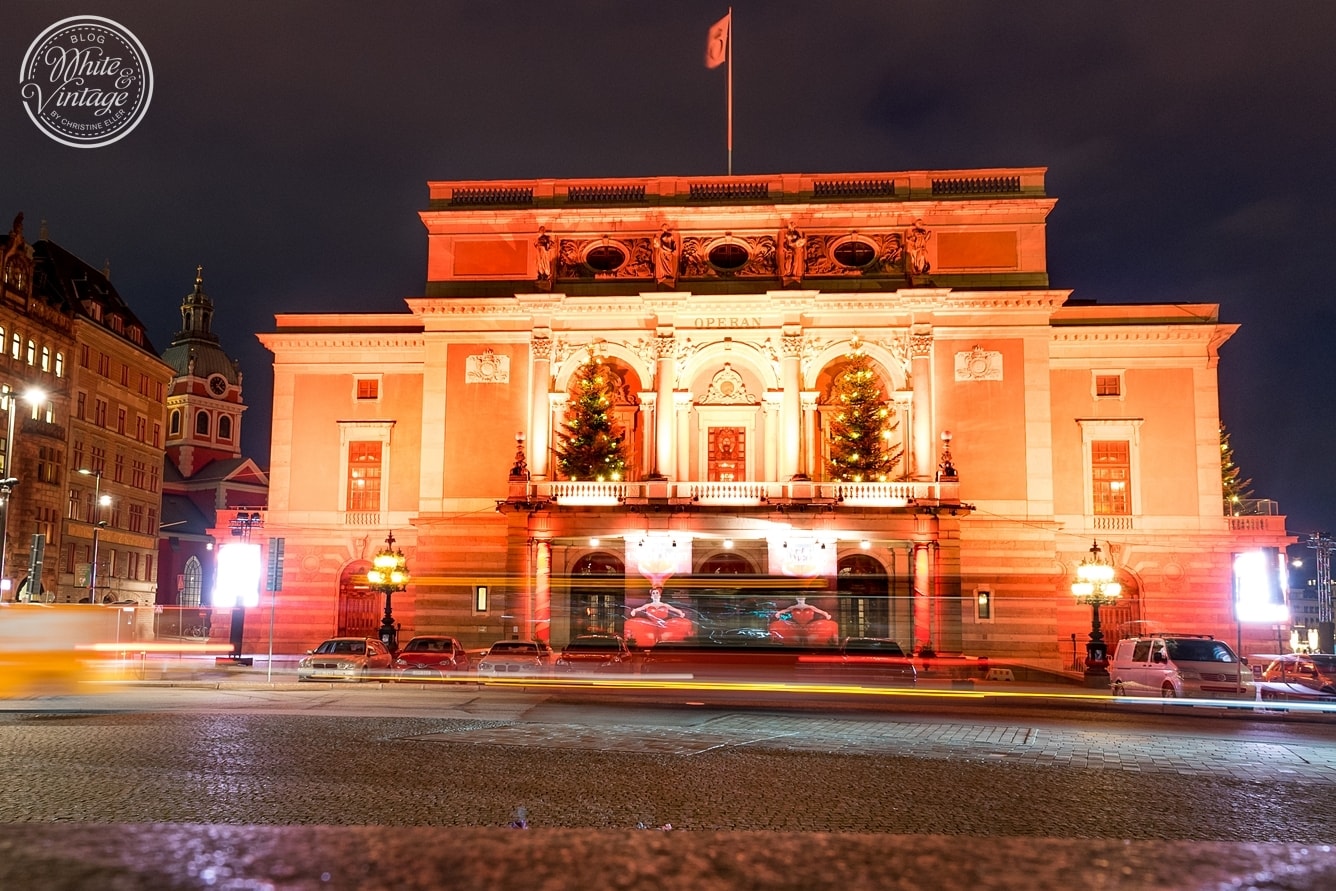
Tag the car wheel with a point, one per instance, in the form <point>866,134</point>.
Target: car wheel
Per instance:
<point>1167,692</point>
<point>1118,689</point>
<point>1269,696</point>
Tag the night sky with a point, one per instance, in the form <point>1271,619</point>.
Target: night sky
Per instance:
<point>288,145</point>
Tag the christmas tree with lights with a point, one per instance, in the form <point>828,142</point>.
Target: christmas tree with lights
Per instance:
<point>861,426</point>
<point>1237,490</point>
<point>589,447</point>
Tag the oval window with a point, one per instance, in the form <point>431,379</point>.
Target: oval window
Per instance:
<point>729,256</point>
<point>854,254</point>
<point>605,258</point>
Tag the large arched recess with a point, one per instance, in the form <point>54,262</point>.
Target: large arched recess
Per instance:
<point>359,614</point>
<point>598,594</point>
<point>864,603</point>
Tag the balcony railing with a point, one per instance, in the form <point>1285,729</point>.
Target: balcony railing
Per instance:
<point>740,494</point>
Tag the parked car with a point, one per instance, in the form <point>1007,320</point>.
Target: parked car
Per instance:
<point>431,656</point>
<point>595,652</point>
<point>345,659</point>
<point>1310,676</point>
<point>516,658</point>
<point>1195,666</point>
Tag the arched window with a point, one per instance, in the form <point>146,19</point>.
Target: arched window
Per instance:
<point>225,428</point>
<point>598,595</point>
<point>174,426</point>
<point>192,582</point>
<point>60,358</point>
<point>46,358</point>
<point>202,423</point>
<point>15,346</point>
<point>32,352</point>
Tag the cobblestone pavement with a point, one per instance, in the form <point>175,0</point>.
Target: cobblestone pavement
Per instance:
<point>888,799</point>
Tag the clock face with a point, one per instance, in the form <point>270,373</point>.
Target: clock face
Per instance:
<point>218,384</point>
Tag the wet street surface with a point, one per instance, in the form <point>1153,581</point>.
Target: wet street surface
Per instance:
<point>1000,785</point>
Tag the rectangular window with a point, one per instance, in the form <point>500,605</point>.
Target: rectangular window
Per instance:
<point>125,376</point>
<point>137,473</point>
<point>1111,472</point>
<point>104,365</point>
<point>78,456</point>
<point>157,435</point>
<point>153,520</point>
<point>136,518</point>
<point>118,473</point>
<point>364,467</point>
<point>74,504</point>
<point>368,388</point>
<point>120,421</point>
<point>84,355</point>
<point>983,604</point>
<point>81,405</point>
<point>143,384</point>
<point>99,460</point>
<point>100,413</point>
<point>141,428</point>
<point>1107,385</point>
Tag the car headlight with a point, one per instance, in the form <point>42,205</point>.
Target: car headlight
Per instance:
<point>1189,675</point>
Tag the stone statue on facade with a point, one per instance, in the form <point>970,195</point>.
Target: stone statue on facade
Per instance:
<point>667,251</point>
<point>546,253</point>
<point>916,249</point>
<point>792,255</point>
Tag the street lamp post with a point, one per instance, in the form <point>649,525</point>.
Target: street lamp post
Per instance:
<point>99,501</point>
<point>389,573</point>
<point>33,396</point>
<point>1095,585</point>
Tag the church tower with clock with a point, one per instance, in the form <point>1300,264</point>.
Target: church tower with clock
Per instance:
<point>204,405</point>
<point>206,481</point>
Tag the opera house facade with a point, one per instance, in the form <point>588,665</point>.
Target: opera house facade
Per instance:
<point>856,389</point>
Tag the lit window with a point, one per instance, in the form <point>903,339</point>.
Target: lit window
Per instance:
<point>364,470</point>
<point>368,388</point>
<point>1111,469</point>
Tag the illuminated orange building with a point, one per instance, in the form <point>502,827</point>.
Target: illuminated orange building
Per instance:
<point>1023,424</point>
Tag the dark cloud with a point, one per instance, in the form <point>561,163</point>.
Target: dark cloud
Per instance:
<point>288,147</point>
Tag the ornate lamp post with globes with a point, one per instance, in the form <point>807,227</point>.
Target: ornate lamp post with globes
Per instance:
<point>1095,585</point>
<point>389,573</point>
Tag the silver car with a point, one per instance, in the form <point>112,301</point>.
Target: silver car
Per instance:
<point>345,659</point>
<point>516,658</point>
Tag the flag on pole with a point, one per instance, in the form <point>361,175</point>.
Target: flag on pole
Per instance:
<point>716,45</point>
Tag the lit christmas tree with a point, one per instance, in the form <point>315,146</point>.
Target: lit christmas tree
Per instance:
<point>589,448</point>
<point>1236,490</point>
<point>860,431</point>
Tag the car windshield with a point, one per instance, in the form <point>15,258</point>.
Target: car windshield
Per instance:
<point>342,647</point>
<point>1188,649</point>
<point>513,647</point>
<point>1325,662</point>
<point>593,643</point>
<point>428,645</point>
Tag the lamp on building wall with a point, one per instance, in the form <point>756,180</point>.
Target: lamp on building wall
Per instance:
<point>1095,585</point>
<point>33,396</point>
<point>389,573</point>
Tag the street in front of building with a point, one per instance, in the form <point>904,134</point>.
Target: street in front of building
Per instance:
<point>994,797</point>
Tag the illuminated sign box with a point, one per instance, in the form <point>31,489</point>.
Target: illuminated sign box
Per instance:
<point>239,569</point>
<point>1259,587</point>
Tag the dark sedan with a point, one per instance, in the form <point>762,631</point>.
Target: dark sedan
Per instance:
<point>1299,676</point>
<point>595,653</point>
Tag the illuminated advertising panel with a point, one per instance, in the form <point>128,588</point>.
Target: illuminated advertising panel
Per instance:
<point>239,568</point>
<point>1259,587</point>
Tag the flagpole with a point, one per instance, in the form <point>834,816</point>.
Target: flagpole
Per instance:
<point>730,90</point>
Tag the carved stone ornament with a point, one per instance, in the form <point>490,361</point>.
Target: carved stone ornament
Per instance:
<point>920,345</point>
<point>577,258</point>
<point>542,347</point>
<point>488,368</point>
<point>728,388</point>
<point>978,364</point>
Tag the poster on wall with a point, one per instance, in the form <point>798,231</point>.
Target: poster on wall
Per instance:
<point>659,555</point>
<point>802,556</point>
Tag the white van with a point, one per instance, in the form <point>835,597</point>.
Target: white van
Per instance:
<point>1193,666</point>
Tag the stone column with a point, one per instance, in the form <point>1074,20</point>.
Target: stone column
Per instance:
<point>771,407</point>
<point>790,420</point>
<point>664,382</point>
<point>921,618</point>
<point>920,348</point>
<point>542,592</point>
<point>811,463</point>
<point>682,421</point>
<point>540,410</point>
<point>649,468</point>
